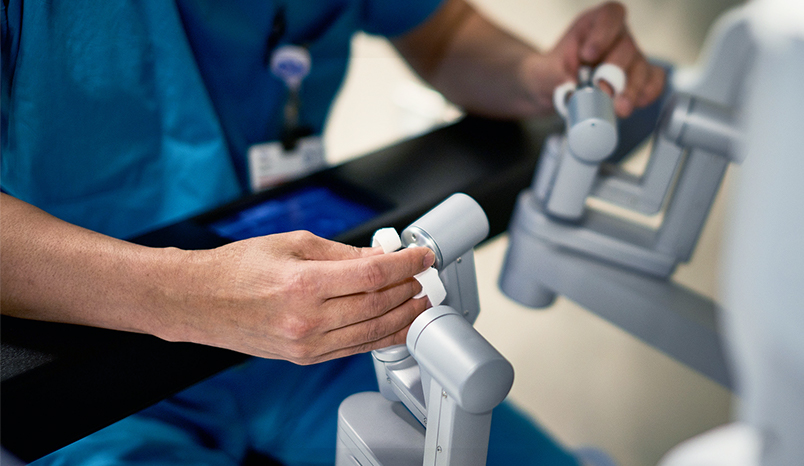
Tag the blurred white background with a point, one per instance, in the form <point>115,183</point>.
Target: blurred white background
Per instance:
<point>586,381</point>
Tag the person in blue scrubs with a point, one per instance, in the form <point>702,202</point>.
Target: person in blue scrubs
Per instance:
<point>121,116</point>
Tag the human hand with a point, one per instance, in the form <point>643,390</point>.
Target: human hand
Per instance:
<point>599,35</point>
<point>299,297</point>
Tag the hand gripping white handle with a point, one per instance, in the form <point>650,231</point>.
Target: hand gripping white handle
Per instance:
<point>431,283</point>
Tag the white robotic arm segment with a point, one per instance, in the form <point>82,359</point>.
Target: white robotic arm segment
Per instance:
<point>694,122</point>
<point>589,112</point>
<point>450,229</point>
<point>468,378</point>
<point>448,376</point>
<point>464,363</point>
<point>591,125</point>
<point>746,101</point>
<point>591,137</point>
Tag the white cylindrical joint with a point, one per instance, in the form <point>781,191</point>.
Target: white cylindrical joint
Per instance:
<point>449,229</point>
<point>697,123</point>
<point>464,363</point>
<point>591,125</point>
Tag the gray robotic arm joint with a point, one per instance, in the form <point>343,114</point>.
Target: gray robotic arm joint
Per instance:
<point>448,376</point>
<point>568,169</point>
<point>464,363</point>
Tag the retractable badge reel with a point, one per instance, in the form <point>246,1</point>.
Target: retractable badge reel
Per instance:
<point>298,152</point>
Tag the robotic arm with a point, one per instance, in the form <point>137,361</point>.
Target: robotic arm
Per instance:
<point>447,375</point>
<point>567,171</point>
<point>744,102</point>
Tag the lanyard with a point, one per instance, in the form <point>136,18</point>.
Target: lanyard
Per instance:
<point>291,64</point>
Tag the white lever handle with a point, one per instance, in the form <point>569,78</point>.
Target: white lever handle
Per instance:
<point>560,95</point>
<point>612,74</point>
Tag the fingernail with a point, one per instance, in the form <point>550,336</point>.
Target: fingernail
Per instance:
<point>429,258</point>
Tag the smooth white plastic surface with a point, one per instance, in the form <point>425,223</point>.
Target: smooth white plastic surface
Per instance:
<point>432,286</point>
<point>460,360</point>
<point>386,238</point>
<point>612,74</point>
<point>560,95</point>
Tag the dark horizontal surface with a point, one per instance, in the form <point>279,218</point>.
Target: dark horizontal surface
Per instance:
<point>62,382</point>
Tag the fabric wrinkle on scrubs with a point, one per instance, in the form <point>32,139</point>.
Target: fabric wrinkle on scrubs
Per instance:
<point>122,116</point>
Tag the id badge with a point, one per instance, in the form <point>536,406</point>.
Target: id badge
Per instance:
<point>269,164</point>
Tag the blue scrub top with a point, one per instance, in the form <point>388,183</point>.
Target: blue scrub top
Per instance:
<point>125,115</point>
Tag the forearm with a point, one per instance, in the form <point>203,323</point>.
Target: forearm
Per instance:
<point>477,65</point>
<point>55,271</point>
<point>487,71</point>
<point>292,296</point>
